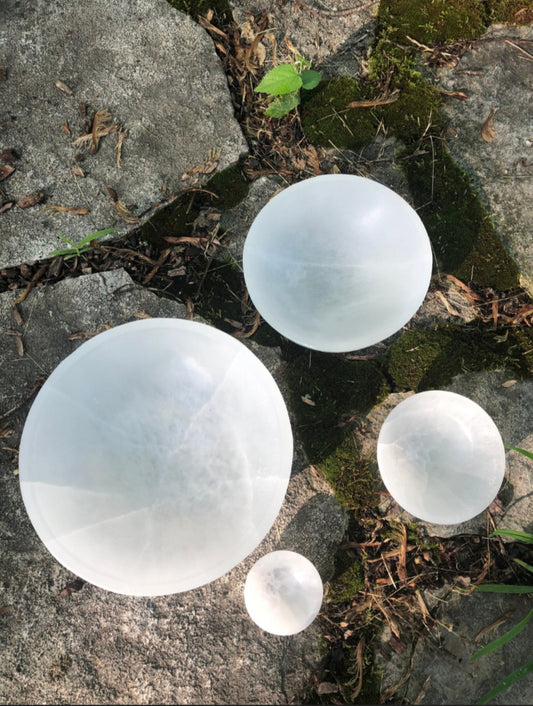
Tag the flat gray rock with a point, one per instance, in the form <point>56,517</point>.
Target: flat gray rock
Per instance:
<point>496,76</point>
<point>334,37</point>
<point>64,642</point>
<point>157,74</point>
<point>441,669</point>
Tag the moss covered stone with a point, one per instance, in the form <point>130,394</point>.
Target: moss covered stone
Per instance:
<point>431,21</point>
<point>461,232</point>
<point>328,121</point>
<point>424,360</point>
<point>351,476</point>
<point>347,582</point>
<point>327,390</point>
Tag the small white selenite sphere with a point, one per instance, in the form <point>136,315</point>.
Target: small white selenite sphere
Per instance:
<point>337,262</point>
<point>156,457</point>
<point>283,593</point>
<point>441,457</point>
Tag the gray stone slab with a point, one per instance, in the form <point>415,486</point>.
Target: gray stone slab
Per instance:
<point>496,74</point>
<point>510,404</point>
<point>442,672</point>
<point>62,645</point>
<point>157,73</point>
<point>334,37</point>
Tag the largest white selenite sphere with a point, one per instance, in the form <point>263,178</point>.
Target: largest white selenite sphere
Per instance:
<point>441,457</point>
<point>156,457</point>
<point>337,262</point>
<point>283,592</point>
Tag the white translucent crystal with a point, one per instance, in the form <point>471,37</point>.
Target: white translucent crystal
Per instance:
<point>337,262</point>
<point>283,593</point>
<point>441,457</point>
<point>156,457</point>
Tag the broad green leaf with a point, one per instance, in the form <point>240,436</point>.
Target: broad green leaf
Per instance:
<point>503,588</point>
<point>506,682</point>
<point>310,78</point>
<point>94,236</point>
<point>529,454</point>
<point>514,534</point>
<point>282,105</point>
<point>280,80</point>
<point>504,638</point>
<point>524,565</point>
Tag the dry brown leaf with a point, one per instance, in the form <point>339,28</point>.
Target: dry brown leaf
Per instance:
<point>308,401</point>
<point>381,100</point>
<point>101,126</point>
<point>5,171</point>
<point>454,94</point>
<point>126,212</point>
<point>121,135</point>
<point>509,383</point>
<point>63,87</point>
<point>16,316</point>
<point>142,315</point>
<point>6,206</point>
<point>487,129</point>
<point>78,171</point>
<point>20,345</point>
<point>65,209</point>
<point>327,687</point>
<point>402,570</point>
<point>65,129</point>
<point>30,200</point>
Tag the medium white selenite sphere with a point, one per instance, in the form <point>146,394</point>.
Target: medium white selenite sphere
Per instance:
<point>156,457</point>
<point>283,593</point>
<point>441,457</point>
<point>337,262</point>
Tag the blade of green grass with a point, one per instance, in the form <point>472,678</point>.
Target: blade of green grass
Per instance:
<point>514,534</point>
<point>94,236</point>
<point>503,588</point>
<point>504,638</point>
<point>526,566</point>
<point>506,682</point>
<point>529,454</point>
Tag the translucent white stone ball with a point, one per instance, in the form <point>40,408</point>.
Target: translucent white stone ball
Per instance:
<point>156,457</point>
<point>283,593</point>
<point>441,457</point>
<point>337,262</point>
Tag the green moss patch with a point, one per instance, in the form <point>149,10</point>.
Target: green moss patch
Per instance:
<point>347,581</point>
<point>328,121</point>
<point>423,360</point>
<point>462,235</point>
<point>351,476</point>
<point>431,21</point>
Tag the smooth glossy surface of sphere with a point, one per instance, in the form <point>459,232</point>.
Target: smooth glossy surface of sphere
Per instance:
<point>283,593</point>
<point>156,457</point>
<point>337,262</point>
<point>441,457</point>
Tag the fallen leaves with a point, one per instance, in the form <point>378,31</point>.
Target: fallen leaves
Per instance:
<point>64,88</point>
<point>101,126</point>
<point>30,200</point>
<point>487,129</point>
<point>5,171</point>
<point>66,209</point>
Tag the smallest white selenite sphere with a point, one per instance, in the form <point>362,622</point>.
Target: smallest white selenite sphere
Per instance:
<point>283,593</point>
<point>441,457</point>
<point>337,262</point>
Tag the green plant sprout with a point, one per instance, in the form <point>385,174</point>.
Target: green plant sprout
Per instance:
<point>83,246</point>
<point>527,668</point>
<point>284,82</point>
